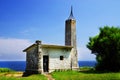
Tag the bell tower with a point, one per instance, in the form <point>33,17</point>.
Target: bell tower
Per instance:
<point>70,38</point>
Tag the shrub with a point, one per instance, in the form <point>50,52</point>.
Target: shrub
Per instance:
<point>5,70</point>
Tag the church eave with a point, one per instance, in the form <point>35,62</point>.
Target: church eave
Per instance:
<point>56,46</point>
<point>29,47</point>
<point>48,46</point>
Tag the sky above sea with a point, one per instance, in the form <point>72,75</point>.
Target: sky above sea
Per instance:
<point>22,22</point>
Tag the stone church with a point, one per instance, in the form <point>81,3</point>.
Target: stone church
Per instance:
<point>42,58</point>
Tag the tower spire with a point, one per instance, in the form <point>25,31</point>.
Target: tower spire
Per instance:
<point>71,14</point>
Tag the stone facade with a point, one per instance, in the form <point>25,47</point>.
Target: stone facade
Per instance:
<point>70,32</point>
<point>54,58</point>
<point>35,57</point>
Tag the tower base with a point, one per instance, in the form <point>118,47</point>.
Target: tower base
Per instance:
<point>75,68</point>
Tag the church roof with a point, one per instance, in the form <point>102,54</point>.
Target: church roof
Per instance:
<point>71,17</point>
<point>56,46</point>
<point>48,46</point>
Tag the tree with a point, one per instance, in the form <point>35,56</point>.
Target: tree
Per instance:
<point>106,47</point>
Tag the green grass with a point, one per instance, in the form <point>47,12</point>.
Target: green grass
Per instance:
<point>32,77</point>
<point>85,74</point>
<point>6,71</point>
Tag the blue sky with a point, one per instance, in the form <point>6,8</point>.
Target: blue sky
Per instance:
<point>22,22</point>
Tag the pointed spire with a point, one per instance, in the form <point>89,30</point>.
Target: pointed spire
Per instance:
<point>71,14</point>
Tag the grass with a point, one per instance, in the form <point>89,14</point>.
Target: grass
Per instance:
<point>32,77</point>
<point>8,74</point>
<point>5,70</point>
<point>85,74</point>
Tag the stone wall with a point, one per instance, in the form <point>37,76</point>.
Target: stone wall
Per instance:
<point>32,60</point>
<point>36,52</point>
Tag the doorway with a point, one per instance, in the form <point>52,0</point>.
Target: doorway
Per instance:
<point>45,63</point>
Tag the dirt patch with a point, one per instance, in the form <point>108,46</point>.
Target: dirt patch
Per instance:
<point>16,74</point>
<point>49,77</point>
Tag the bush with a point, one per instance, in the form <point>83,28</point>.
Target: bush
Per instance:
<point>86,68</point>
<point>5,70</point>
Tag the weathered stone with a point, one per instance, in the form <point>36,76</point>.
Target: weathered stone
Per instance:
<point>36,53</point>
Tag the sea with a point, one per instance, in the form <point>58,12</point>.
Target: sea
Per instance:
<point>20,65</point>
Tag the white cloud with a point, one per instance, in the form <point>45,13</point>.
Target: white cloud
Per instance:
<point>11,49</point>
<point>84,54</point>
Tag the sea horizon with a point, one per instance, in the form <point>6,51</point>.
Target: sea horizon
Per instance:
<point>20,65</point>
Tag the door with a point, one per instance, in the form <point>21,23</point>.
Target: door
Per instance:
<point>45,63</point>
